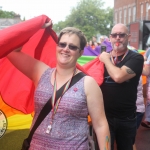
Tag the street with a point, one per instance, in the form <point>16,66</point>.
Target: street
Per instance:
<point>143,138</point>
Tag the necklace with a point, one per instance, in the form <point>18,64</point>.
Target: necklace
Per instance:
<point>115,60</point>
<point>56,103</point>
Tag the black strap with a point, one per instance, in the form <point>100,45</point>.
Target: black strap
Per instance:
<point>47,107</point>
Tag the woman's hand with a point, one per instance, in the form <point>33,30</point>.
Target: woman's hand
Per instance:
<point>47,24</point>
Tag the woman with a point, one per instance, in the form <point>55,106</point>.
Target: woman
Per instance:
<point>69,123</point>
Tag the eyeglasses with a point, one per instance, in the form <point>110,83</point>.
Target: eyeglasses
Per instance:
<point>121,35</point>
<point>71,47</point>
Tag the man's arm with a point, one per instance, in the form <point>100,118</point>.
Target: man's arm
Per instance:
<point>97,113</point>
<point>119,75</point>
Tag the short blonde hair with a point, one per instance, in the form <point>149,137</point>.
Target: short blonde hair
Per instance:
<point>76,31</point>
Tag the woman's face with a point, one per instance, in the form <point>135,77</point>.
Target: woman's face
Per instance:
<point>90,43</point>
<point>68,50</point>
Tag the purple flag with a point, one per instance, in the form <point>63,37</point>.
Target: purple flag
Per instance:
<point>108,45</point>
<point>88,51</point>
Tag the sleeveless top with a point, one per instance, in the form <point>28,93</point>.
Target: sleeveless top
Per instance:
<point>70,126</point>
<point>148,82</point>
<point>140,99</point>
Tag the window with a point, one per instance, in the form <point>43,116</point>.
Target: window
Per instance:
<point>134,13</point>
<point>147,5</point>
<point>129,15</point>
<point>141,11</point>
<point>120,16</point>
<point>125,15</point>
<point>116,17</point>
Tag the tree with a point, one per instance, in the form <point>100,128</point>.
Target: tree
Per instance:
<point>90,17</point>
<point>7,14</point>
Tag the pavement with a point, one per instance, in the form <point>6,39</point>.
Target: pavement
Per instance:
<point>143,138</point>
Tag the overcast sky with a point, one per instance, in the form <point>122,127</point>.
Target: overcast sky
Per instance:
<point>57,10</point>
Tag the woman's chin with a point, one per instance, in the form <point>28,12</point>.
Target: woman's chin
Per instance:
<point>63,63</point>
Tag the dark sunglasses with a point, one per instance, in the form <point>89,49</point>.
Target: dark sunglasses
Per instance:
<point>71,47</point>
<point>121,35</point>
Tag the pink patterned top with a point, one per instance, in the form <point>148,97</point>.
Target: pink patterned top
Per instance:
<point>70,126</point>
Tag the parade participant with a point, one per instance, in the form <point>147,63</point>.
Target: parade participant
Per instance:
<point>123,69</point>
<point>140,106</point>
<point>146,71</point>
<point>66,126</point>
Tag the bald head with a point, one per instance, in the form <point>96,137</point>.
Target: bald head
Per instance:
<point>120,28</point>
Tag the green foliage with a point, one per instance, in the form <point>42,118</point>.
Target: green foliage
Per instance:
<point>90,17</point>
<point>7,14</point>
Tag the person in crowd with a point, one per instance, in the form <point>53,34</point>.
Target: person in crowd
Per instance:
<point>92,45</point>
<point>102,39</point>
<point>140,105</point>
<point>94,39</point>
<point>121,78</point>
<point>146,71</point>
<point>147,53</point>
<point>140,99</point>
<point>69,124</point>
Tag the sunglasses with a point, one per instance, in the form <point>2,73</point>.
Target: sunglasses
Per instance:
<point>71,47</point>
<point>121,35</point>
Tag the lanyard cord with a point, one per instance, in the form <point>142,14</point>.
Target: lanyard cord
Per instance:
<point>115,61</point>
<point>55,106</point>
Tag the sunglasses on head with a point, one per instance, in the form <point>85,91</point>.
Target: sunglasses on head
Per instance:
<point>71,47</point>
<point>121,35</point>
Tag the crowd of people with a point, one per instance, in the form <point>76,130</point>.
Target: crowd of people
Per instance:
<point>116,107</point>
<point>93,43</point>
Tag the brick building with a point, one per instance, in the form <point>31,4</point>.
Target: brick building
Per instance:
<point>128,11</point>
<point>136,15</point>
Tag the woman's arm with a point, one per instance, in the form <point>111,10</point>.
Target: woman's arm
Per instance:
<point>97,114</point>
<point>146,68</point>
<point>29,66</point>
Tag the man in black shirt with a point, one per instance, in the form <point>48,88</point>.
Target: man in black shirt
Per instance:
<point>122,72</point>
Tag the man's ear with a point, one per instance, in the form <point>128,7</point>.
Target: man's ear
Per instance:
<point>129,37</point>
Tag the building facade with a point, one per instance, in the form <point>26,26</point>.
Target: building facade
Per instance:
<point>135,14</point>
<point>129,11</point>
<point>6,22</point>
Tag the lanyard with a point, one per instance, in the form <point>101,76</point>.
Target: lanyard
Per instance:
<point>115,61</point>
<point>55,106</point>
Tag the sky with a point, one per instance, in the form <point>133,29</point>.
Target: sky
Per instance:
<point>57,10</point>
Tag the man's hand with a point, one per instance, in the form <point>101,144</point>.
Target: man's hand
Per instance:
<point>47,24</point>
<point>104,57</point>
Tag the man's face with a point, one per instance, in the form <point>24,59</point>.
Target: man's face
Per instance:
<point>119,38</point>
<point>102,39</point>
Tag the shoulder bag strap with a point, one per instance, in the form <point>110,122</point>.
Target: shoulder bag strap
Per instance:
<point>47,107</point>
